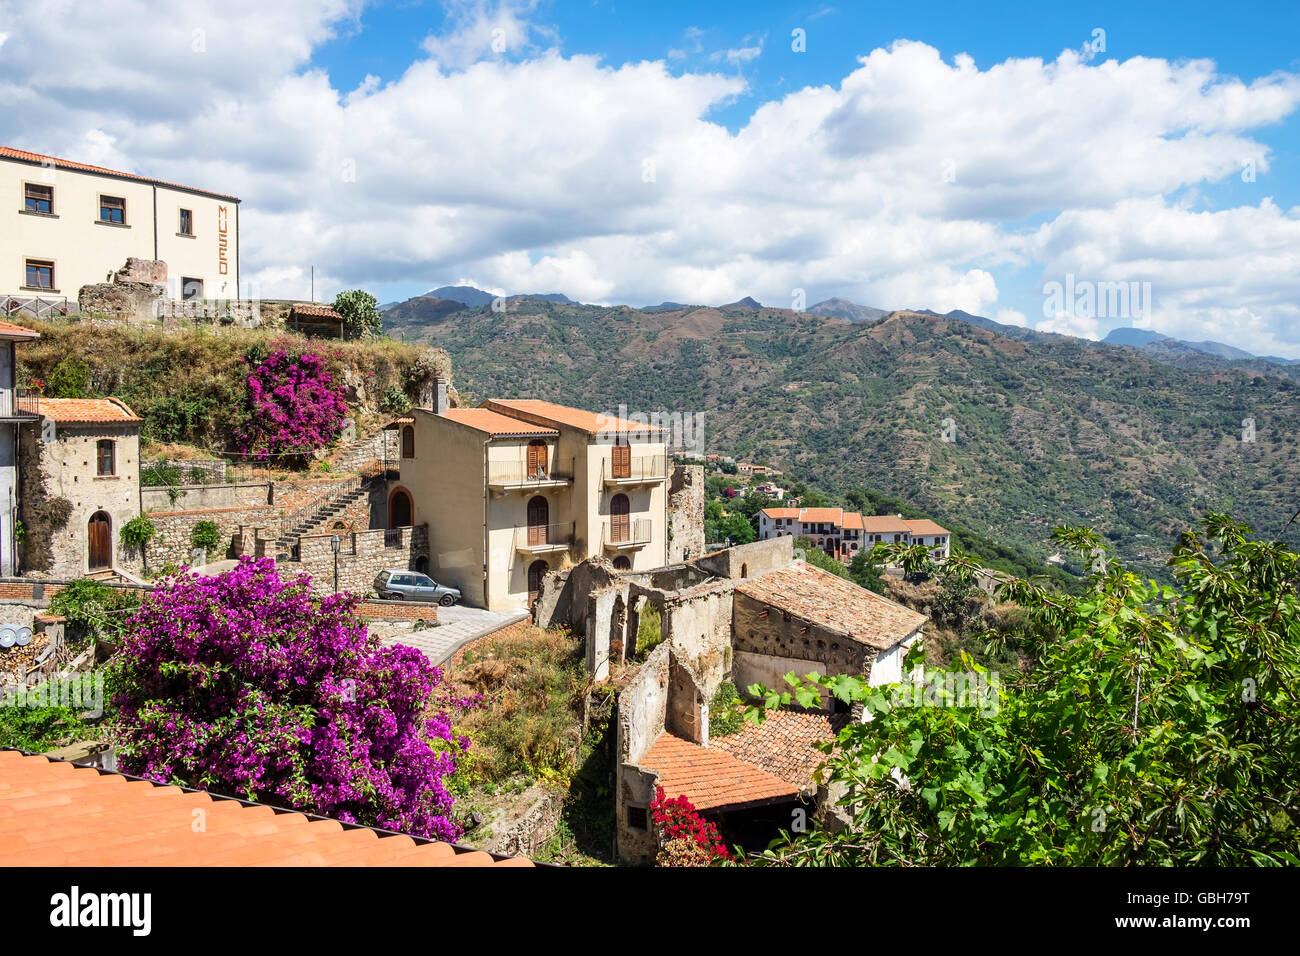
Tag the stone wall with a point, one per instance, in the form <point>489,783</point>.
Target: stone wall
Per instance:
<point>685,513</point>
<point>758,628</point>
<point>642,709</point>
<point>198,497</point>
<point>363,555</point>
<point>171,542</point>
<point>750,560</point>
<point>211,470</point>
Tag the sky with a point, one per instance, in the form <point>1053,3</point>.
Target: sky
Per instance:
<point>1071,168</point>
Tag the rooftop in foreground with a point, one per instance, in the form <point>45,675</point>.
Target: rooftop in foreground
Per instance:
<point>53,813</point>
<point>711,778</point>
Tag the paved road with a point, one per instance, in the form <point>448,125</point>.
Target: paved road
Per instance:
<point>457,626</point>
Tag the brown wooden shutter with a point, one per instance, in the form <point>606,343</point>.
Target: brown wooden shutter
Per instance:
<point>619,522</point>
<point>622,461</point>
<point>538,513</point>
<point>536,458</point>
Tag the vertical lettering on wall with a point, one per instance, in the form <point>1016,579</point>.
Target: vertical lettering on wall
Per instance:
<point>223,264</point>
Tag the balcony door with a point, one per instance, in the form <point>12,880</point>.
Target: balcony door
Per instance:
<point>539,513</point>
<point>536,571</point>
<point>537,459</point>
<point>622,460</point>
<point>620,522</point>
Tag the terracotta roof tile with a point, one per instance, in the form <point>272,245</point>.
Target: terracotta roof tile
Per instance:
<point>884,524</point>
<point>784,744</point>
<point>828,515</point>
<point>10,331</point>
<point>925,526</point>
<point>710,778</point>
<point>73,410</point>
<point>492,423</point>
<point>829,601</point>
<point>55,814</point>
<point>548,413</point>
<point>781,512</point>
<point>322,311</point>
<point>9,152</point>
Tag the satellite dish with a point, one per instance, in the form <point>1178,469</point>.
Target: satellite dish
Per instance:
<point>8,636</point>
<point>24,636</point>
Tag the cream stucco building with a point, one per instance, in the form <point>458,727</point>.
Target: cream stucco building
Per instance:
<point>515,488</point>
<point>64,225</point>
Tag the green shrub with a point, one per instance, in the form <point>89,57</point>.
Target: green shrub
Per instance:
<point>93,609</point>
<point>69,379</point>
<point>159,474</point>
<point>725,714</point>
<point>205,535</point>
<point>138,532</point>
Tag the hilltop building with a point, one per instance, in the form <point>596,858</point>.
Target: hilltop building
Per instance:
<point>842,534</point>
<point>71,225</point>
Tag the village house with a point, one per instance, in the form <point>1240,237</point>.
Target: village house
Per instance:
<point>770,490</point>
<point>85,453</point>
<point>515,488</point>
<point>749,614</point>
<point>842,534</point>
<point>69,225</point>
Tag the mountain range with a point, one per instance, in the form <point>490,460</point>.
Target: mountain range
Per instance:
<point>1046,429</point>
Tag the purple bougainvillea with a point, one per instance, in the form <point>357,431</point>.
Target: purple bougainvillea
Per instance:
<point>244,684</point>
<point>294,406</point>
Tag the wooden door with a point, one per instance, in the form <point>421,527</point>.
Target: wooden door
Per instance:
<point>99,541</point>
<point>536,571</point>
<point>538,515</point>
<point>622,461</point>
<point>619,518</point>
<point>536,459</point>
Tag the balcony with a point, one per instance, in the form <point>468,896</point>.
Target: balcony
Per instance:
<point>627,536</point>
<point>19,404</point>
<point>544,539</point>
<point>644,470</point>
<point>504,476</point>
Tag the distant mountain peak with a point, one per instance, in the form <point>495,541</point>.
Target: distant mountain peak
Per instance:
<point>838,308</point>
<point>748,302</point>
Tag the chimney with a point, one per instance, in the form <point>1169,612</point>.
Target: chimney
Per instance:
<point>440,395</point>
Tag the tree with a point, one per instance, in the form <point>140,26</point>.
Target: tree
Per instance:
<point>820,559</point>
<point>864,572</point>
<point>1159,727</point>
<point>737,528</point>
<point>244,684</point>
<point>361,316</point>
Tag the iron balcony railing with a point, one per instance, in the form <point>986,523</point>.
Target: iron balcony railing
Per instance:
<point>544,537</point>
<point>637,468</point>
<point>40,306</point>
<point>518,473</point>
<point>19,403</point>
<point>627,534</point>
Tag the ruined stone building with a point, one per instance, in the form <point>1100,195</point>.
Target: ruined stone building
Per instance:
<point>749,614</point>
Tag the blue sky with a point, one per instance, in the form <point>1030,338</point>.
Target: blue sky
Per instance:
<point>944,155</point>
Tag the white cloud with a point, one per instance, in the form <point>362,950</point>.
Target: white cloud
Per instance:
<point>535,171</point>
<point>1081,326</point>
<point>1011,317</point>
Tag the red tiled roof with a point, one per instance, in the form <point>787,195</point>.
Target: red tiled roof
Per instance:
<point>884,524</point>
<point>8,152</point>
<point>925,526</point>
<point>828,515</point>
<point>53,813</point>
<point>784,744</point>
<point>548,413</point>
<point>710,778</point>
<point>827,600</point>
<point>10,331</point>
<point>853,520</point>
<point>323,311</point>
<point>781,512</point>
<point>74,410</point>
<point>493,423</point>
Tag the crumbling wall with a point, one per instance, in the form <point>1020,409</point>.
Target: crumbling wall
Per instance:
<point>760,629</point>
<point>642,708</point>
<point>685,513</point>
<point>750,560</point>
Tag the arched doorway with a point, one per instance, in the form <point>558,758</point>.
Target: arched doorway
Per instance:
<point>622,563</point>
<point>539,513</point>
<point>400,509</point>
<point>536,571</point>
<point>620,525</point>
<point>99,541</point>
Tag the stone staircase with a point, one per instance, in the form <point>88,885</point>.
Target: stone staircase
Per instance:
<point>367,452</point>
<point>286,545</point>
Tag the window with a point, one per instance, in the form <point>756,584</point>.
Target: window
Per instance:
<point>408,442</point>
<point>636,818</point>
<point>40,274</point>
<point>191,288</point>
<point>112,209</point>
<point>106,457</point>
<point>38,198</point>
<point>187,222</point>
